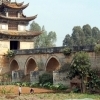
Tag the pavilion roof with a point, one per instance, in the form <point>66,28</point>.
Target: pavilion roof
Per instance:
<point>15,5</point>
<point>19,4</point>
<point>18,19</point>
<point>20,33</point>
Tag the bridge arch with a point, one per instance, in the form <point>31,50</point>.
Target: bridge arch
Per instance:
<point>52,64</point>
<point>14,65</point>
<point>31,65</point>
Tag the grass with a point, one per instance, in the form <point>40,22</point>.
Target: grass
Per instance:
<point>63,96</point>
<point>55,96</point>
<point>7,93</point>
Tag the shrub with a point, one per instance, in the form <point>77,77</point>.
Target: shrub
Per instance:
<point>10,53</point>
<point>5,91</point>
<point>18,83</point>
<point>66,51</point>
<point>34,85</point>
<point>97,49</point>
<point>47,85</point>
<point>59,87</point>
<point>45,78</point>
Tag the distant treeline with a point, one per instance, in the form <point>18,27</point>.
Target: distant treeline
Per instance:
<point>82,36</point>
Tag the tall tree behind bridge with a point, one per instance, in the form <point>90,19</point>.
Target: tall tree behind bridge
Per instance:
<point>90,40</point>
<point>96,34</point>
<point>68,41</point>
<point>82,36</point>
<point>78,36</point>
<point>45,39</point>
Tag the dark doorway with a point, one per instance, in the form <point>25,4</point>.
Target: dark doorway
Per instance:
<point>14,45</point>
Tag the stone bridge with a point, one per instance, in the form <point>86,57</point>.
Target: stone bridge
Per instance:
<point>45,60</point>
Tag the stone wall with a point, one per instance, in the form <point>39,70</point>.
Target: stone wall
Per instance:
<point>26,45</point>
<point>60,78</point>
<point>34,76</point>
<point>42,60</point>
<point>4,46</point>
<point>4,64</point>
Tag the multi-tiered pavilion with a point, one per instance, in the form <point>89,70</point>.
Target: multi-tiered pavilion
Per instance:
<point>13,33</point>
<point>13,26</point>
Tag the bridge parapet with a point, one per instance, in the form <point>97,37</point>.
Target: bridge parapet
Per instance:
<point>51,50</point>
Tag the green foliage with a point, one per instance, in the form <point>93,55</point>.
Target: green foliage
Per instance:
<point>82,36</point>
<point>10,54</point>
<point>47,85</point>
<point>3,90</point>
<point>45,78</point>
<point>97,49</point>
<point>68,41</point>
<point>76,90</point>
<point>66,51</point>
<point>45,39</point>
<point>18,83</point>
<point>35,26</point>
<point>34,85</point>
<point>25,84</point>
<point>94,79</point>
<point>80,65</point>
<point>59,87</point>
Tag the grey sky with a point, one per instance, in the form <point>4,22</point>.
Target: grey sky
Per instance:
<point>62,15</point>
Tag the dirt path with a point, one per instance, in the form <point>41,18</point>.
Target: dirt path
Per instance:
<point>25,90</point>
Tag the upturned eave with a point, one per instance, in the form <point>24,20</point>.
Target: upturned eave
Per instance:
<point>20,33</point>
<point>15,6</point>
<point>18,19</point>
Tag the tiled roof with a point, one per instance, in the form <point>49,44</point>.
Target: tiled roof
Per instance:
<point>20,33</point>
<point>16,18</point>
<point>15,5</point>
<point>19,4</point>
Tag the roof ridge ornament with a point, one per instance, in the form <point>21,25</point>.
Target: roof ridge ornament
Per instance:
<point>19,4</point>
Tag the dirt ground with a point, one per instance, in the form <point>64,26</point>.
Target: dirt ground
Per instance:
<point>25,90</point>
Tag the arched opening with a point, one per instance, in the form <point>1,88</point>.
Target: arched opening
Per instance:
<point>52,65</point>
<point>14,66</point>
<point>31,66</point>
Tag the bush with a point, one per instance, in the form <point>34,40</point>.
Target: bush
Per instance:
<point>47,85</point>
<point>5,91</point>
<point>34,85</point>
<point>59,87</point>
<point>18,83</point>
<point>10,53</point>
<point>66,51</point>
<point>97,49</point>
<point>45,78</point>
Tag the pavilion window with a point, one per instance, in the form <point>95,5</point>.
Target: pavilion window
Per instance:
<point>13,14</point>
<point>12,26</point>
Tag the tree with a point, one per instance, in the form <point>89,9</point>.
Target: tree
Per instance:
<point>45,39</point>
<point>41,39</point>
<point>78,36</point>
<point>96,34</point>
<point>51,39</point>
<point>68,41</point>
<point>80,67</point>
<point>87,30</point>
<point>35,26</point>
<point>82,36</point>
<point>88,34</point>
